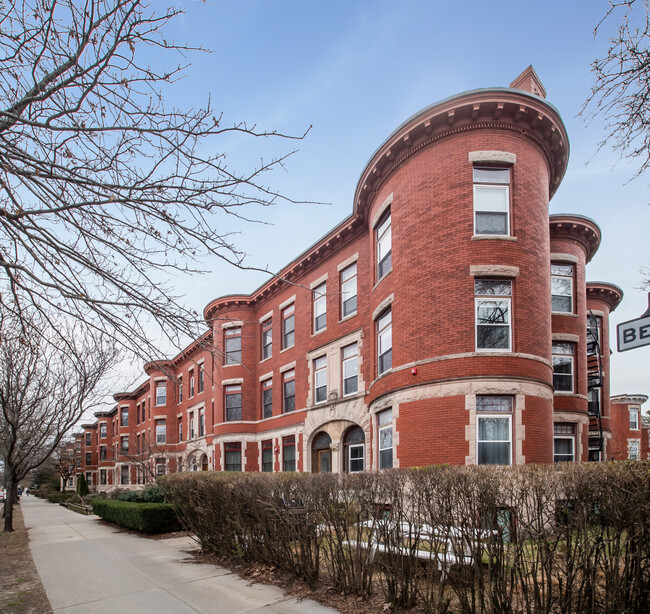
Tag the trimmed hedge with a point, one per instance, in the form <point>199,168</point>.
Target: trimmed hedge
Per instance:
<point>146,517</point>
<point>59,497</point>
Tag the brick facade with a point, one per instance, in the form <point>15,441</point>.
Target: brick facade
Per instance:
<point>420,330</point>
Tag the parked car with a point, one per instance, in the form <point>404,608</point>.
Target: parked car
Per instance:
<point>2,495</point>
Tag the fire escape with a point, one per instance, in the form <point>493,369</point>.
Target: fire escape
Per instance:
<point>594,385</point>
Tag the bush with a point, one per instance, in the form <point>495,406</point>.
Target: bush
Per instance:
<point>76,499</point>
<point>146,517</point>
<point>132,495</point>
<point>59,497</point>
<point>152,494</point>
<point>82,485</point>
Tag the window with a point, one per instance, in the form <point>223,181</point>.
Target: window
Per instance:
<point>124,417</point>
<point>349,290</point>
<point>233,403</point>
<point>124,474</point>
<point>267,339</point>
<point>102,452</point>
<point>354,447</point>
<point>180,430</point>
<point>350,369</point>
<point>562,288</point>
<point>383,239</point>
<point>160,467</point>
<point>288,327</point>
<point>88,439</point>
<point>289,453</point>
<point>180,390</point>
<point>594,326</point>
<point>492,315</point>
<point>201,378</point>
<point>89,458</point>
<point>288,391</point>
<point>102,430</point>
<point>201,424</point>
<point>563,367</point>
<point>494,430</point>
<point>191,383</point>
<point>633,450</point>
<point>233,346</point>
<point>319,295</point>
<point>384,342</point>
<point>233,456</point>
<point>267,455</point>
<point>563,443</point>
<point>267,398</point>
<point>102,477</point>
<point>385,437</point>
<point>124,444</point>
<point>161,431</point>
<point>78,463</point>
<point>161,393</point>
<point>192,427</point>
<point>634,418</point>
<point>320,380</point>
<point>89,478</point>
<point>491,201</point>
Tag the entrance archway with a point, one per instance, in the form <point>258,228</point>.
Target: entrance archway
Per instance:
<point>321,454</point>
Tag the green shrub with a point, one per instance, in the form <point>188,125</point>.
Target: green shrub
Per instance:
<point>59,497</point>
<point>132,495</point>
<point>146,517</point>
<point>82,485</point>
<point>153,494</point>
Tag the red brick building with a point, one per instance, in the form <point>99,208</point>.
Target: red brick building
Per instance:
<point>446,320</point>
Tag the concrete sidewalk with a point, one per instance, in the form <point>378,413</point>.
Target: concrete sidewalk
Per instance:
<point>90,568</point>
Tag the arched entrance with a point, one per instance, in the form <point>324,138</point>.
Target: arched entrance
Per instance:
<point>321,453</point>
<point>354,450</point>
<point>204,462</point>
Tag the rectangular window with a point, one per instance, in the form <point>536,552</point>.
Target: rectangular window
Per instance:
<point>89,478</point>
<point>233,403</point>
<point>383,237</point>
<point>319,299</point>
<point>493,315</point>
<point>563,367</point>
<point>384,342</point>
<point>594,327</point>
<point>88,439</point>
<point>563,443</point>
<point>191,383</point>
<point>232,346</point>
<point>494,440</point>
<point>633,450</point>
<point>267,455</point>
<point>267,339</point>
<point>288,391</point>
<point>288,327</point>
<point>267,398</point>
<point>350,359</point>
<point>89,458</point>
<point>201,425</point>
<point>161,431</point>
<point>491,201</point>
<point>102,477</point>
<point>124,417</point>
<point>124,474</point>
<point>385,438</point>
<point>561,288</point>
<point>634,419</point>
<point>161,393</point>
<point>192,427</point>
<point>289,453</point>
<point>320,380</point>
<point>102,430</point>
<point>349,290</point>
<point>160,467</point>
<point>355,457</point>
<point>180,390</point>
<point>124,444</point>
<point>233,456</point>
<point>102,452</point>
<point>201,378</point>
<point>180,430</point>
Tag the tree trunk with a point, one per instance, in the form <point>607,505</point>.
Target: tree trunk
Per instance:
<point>10,502</point>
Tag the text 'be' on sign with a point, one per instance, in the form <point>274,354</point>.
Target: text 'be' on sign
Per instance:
<point>634,333</point>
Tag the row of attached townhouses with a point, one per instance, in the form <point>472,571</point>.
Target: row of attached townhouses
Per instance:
<point>447,320</point>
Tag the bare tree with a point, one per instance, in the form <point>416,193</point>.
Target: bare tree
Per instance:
<point>66,458</point>
<point>621,93</point>
<point>103,190</point>
<point>142,453</point>
<point>44,390</point>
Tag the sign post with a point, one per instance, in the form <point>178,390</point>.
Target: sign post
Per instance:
<point>634,333</point>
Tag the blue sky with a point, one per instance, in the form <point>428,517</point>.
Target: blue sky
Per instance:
<point>355,70</point>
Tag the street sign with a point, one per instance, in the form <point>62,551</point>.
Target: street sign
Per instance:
<point>634,333</point>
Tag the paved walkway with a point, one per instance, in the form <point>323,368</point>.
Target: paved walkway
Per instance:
<point>90,568</point>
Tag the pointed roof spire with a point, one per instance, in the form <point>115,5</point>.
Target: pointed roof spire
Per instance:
<point>529,81</point>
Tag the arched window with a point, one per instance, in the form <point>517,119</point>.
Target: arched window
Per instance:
<point>204,462</point>
<point>321,459</point>
<point>354,447</point>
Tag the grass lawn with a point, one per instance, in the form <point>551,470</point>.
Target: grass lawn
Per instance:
<point>21,591</point>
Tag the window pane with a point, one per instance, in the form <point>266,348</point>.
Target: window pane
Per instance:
<point>494,429</point>
<point>493,199</point>
<point>491,175</point>
<point>493,453</point>
<point>385,438</point>
<point>489,287</point>
<point>493,312</point>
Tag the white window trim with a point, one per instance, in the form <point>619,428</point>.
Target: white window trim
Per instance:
<point>573,380</point>
<point>232,324</point>
<point>493,186</point>
<point>479,416</point>
<point>635,410</point>
<point>573,445</point>
<point>357,445</point>
<point>492,298</point>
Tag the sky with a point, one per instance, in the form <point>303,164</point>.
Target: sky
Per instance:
<point>354,71</point>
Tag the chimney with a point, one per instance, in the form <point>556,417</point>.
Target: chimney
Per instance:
<point>529,81</point>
